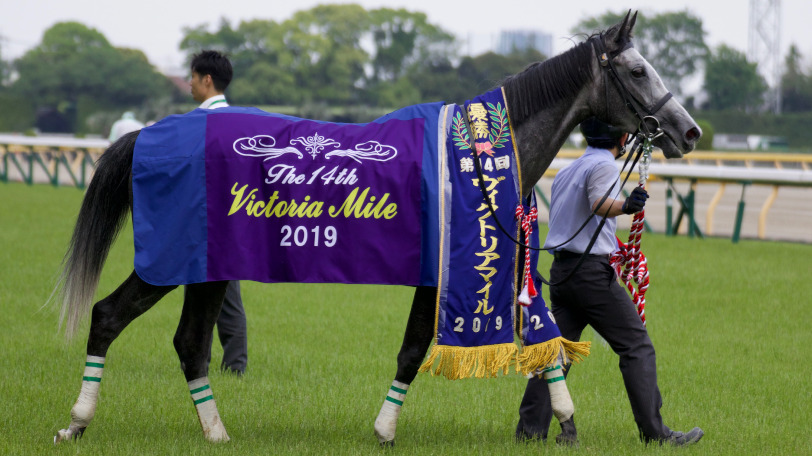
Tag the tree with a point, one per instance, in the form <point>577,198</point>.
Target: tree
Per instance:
<point>331,54</point>
<point>731,82</point>
<point>262,63</point>
<point>5,71</point>
<point>327,56</point>
<point>403,39</point>
<point>485,71</point>
<point>673,42</point>
<point>796,86</point>
<point>76,71</point>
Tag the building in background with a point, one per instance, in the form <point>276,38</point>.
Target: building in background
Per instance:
<point>520,40</point>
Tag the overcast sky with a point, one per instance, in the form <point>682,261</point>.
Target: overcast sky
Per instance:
<point>156,27</point>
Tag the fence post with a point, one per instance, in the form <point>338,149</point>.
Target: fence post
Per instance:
<point>737,229</point>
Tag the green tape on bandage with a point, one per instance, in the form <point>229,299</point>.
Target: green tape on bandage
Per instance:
<point>550,369</point>
<point>397,390</point>
<point>91,379</point>
<point>99,365</point>
<point>202,388</point>
<point>555,379</point>
<point>394,401</point>
<point>204,399</point>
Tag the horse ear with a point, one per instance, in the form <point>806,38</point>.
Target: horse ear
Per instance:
<point>625,31</point>
<point>631,23</point>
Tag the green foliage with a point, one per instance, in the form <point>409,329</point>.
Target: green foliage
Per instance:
<point>323,55</point>
<point>16,115</point>
<point>75,64</point>
<point>796,85</point>
<point>732,82</point>
<point>441,81</point>
<point>323,356</point>
<point>794,126</point>
<point>673,42</point>
<point>706,141</point>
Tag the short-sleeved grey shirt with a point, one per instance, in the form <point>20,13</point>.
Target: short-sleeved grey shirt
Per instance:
<point>575,189</point>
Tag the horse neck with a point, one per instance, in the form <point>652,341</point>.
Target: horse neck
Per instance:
<point>540,137</point>
<point>551,98</point>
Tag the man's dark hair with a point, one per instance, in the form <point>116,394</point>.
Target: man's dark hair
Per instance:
<point>216,65</point>
<point>600,134</point>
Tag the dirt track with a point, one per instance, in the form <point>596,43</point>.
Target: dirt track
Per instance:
<point>788,219</point>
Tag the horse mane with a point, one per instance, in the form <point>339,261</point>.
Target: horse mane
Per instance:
<point>541,84</point>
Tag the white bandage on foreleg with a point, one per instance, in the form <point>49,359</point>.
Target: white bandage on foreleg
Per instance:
<point>85,407</point>
<point>207,413</point>
<point>559,394</point>
<point>387,421</point>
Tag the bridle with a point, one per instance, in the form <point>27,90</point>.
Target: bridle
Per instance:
<point>648,129</point>
<point>645,114</point>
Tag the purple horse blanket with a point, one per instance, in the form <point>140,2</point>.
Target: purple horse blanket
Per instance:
<point>242,194</point>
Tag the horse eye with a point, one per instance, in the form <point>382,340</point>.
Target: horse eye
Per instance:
<point>639,72</point>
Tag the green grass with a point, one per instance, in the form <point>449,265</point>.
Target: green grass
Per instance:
<point>729,322</point>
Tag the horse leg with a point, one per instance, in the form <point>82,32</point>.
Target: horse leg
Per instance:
<point>416,342</point>
<point>201,306</point>
<point>109,318</point>
<point>562,405</point>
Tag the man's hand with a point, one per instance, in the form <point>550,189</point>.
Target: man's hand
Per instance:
<point>636,201</point>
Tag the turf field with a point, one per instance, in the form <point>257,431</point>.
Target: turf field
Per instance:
<point>729,323</point>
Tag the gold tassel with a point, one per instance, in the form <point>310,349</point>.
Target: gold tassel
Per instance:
<point>464,362</point>
<point>542,355</point>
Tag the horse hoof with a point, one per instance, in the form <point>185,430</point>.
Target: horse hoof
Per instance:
<point>388,444</point>
<point>68,434</point>
<point>566,440</point>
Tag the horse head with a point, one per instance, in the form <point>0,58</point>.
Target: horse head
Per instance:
<point>628,93</point>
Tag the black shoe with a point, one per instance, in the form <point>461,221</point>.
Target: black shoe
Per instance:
<point>524,435</point>
<point>232,371</point>
<point>682,439</point>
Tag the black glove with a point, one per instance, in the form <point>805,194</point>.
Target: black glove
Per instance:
<point>636,201</point>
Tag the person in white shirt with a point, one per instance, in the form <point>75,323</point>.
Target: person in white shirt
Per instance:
<point>124,125</point>
<point>211,74</point>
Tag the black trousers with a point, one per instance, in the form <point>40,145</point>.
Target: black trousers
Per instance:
<point>232,330</point>
<point>594,297</point>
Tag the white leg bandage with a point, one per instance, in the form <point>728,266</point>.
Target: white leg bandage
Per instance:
<point>559,394</point>
<point>207,413</point>
<point>387,421</point>
<point>85,407</point>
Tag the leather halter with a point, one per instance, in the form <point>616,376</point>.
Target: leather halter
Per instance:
<point>605,60</point>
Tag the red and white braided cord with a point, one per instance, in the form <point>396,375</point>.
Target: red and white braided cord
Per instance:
<point>526,221</point>
<point>631,265</point>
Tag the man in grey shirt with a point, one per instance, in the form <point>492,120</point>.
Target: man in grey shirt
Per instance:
<point>593,296</point>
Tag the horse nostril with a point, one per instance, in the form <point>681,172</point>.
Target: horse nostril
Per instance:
<point>693,134</point>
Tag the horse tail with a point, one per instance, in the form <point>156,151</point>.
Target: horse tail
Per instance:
<point>102,215</point>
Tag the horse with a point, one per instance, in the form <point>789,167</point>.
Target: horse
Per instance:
<point>604,76</point>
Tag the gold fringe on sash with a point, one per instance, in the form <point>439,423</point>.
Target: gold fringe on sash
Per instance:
<point>464,362</point>
<point>538,356</point>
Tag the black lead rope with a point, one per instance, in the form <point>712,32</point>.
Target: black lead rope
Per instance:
<point>605,61</point>
<point>481,181</point>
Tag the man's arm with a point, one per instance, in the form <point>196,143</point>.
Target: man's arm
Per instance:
<point>631,205</point>
<point>613,206</point>
<point>606,177</point>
